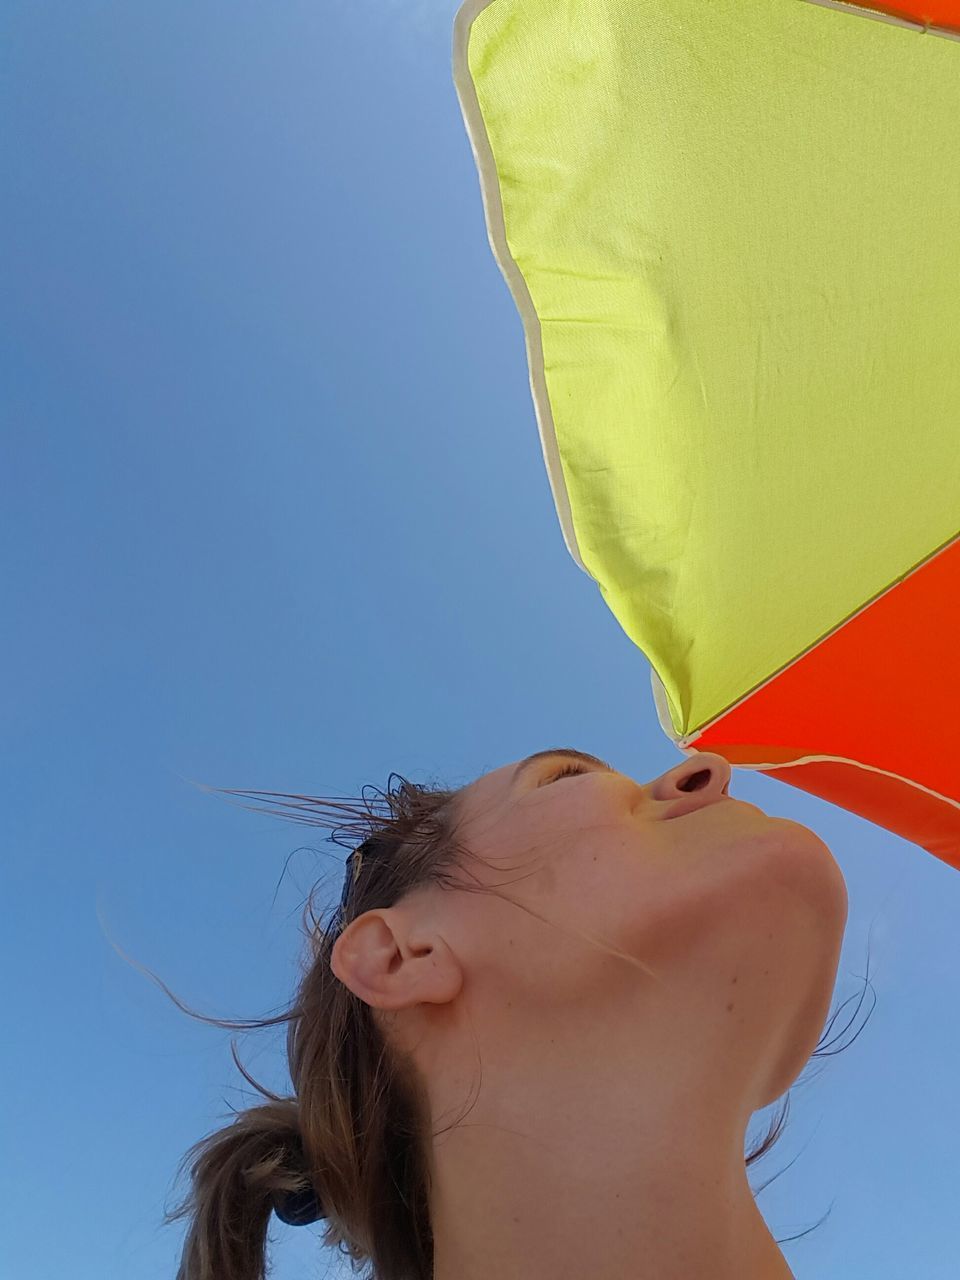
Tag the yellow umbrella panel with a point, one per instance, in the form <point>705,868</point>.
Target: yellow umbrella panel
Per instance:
<point>732,230</point>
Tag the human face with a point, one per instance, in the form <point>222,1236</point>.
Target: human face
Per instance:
<point>701,888</point>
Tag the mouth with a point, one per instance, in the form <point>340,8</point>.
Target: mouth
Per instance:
<point>722,802</point>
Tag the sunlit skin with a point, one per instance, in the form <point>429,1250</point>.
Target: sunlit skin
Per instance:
<point>608,1105</point>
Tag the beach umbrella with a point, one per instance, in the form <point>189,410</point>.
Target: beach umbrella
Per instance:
<point>732,232</point>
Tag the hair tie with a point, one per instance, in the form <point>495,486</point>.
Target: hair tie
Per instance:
<point>297,1208</point>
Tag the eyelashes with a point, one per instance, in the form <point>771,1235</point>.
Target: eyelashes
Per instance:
<point>568,771</point>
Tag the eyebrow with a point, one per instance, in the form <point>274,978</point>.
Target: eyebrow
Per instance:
<point>569,753</point>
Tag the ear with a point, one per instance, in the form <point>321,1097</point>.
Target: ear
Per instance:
<point>389,960</point>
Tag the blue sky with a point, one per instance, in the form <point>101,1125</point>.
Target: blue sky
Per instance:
<point>276,517</point>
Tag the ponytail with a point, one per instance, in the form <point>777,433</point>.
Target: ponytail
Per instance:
<point>240,1175</point>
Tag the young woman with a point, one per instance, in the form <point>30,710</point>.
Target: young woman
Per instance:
<point>529,1044</point>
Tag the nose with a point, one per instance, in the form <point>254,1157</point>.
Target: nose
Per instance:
<point>701,780</point>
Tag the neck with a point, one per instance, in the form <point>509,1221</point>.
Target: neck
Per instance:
<point>658,1193</point>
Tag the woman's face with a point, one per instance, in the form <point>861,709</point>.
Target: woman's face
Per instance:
<point>663,938</point>
<point>733,910</point>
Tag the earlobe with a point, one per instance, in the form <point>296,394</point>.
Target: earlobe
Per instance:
<point>359,951</point>
<point>337,960</point>
<point>355,952</point>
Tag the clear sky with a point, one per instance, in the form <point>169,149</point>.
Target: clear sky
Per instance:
<point>275,516</point>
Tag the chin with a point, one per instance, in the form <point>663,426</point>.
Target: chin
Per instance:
<point>814,872</point>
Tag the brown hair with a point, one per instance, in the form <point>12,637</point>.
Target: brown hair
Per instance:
<point>355,1132</point>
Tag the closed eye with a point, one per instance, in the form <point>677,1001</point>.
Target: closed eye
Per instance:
<point>567,771</point>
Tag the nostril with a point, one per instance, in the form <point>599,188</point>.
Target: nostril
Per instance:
<point>696,781</point>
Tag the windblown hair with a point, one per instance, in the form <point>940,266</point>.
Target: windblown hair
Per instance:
<point>356,1130</point>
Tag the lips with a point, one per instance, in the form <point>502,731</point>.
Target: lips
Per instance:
<point>700,808</point>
